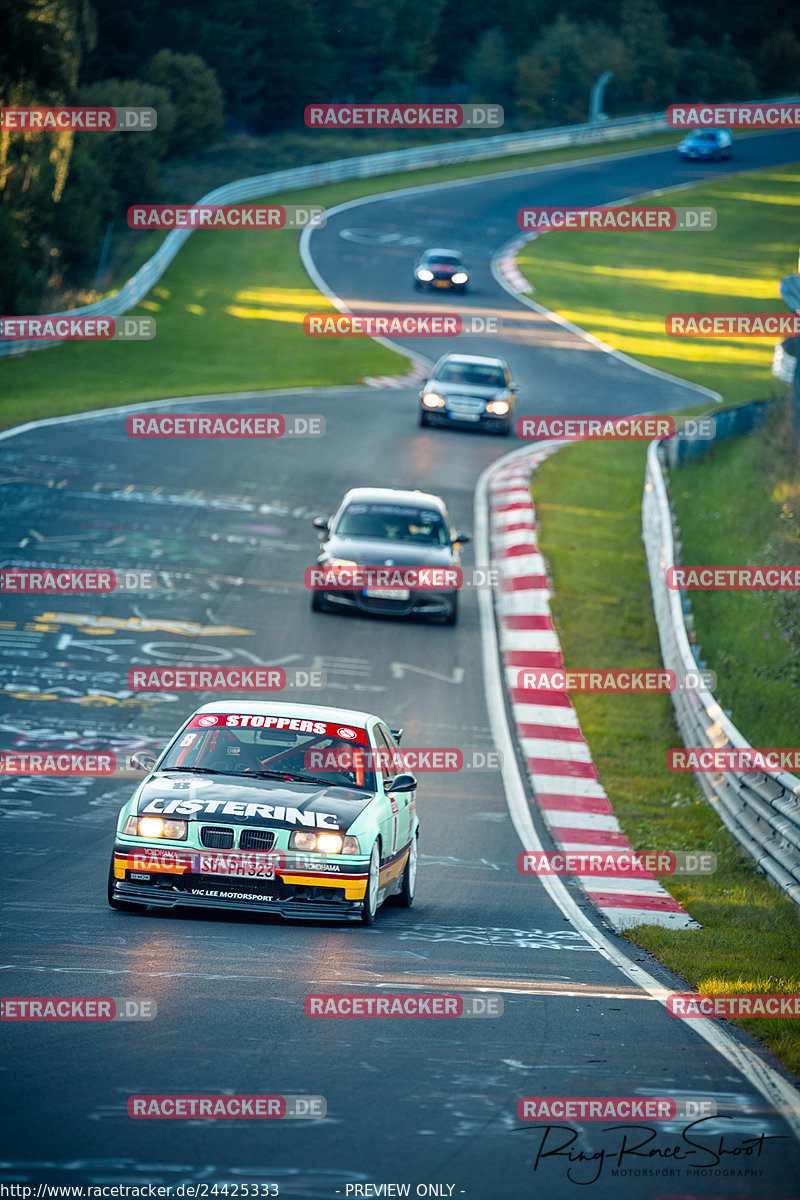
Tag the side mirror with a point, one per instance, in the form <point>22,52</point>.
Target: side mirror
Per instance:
<point>143,760</point>
<point>403,782</point>
<point>321,523</point>
<point>396,734</point>
<point>463,538</point>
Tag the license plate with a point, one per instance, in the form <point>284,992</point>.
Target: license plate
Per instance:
<point>441,283</point>
<point>464,416</point>
<point>249,866</point>
<point>387,593</point>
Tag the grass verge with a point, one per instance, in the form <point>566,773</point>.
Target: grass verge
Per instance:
<point>229,315</point>
<point>588,499</point>
<point>622,286</point>
<point>589,503</point>
<point>751,639</point>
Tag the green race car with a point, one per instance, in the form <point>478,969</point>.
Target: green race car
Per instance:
<point>294,809</point>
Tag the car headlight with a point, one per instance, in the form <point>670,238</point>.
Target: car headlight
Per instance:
<point>341,562</point>
<point>323,843</point>
<point>424,274</point>
<point>433,400</point>
<point>156,827</point>
<point>460,277</point>
<point>498,407</point>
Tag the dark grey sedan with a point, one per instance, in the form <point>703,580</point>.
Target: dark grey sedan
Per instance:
<point>465,389</point>
<point>398,552</point>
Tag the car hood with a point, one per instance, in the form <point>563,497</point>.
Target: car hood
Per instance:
<point>377,552</point>
<point>222,799</point>
<point>478,390</point>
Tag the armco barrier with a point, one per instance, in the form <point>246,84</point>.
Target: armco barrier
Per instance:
<point>137,287</point>
<point>761,811</point>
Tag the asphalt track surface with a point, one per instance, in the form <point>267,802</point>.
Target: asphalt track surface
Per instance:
<point>423,1103</point>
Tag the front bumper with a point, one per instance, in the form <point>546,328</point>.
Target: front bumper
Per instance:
<point>442,282</point>
<point>445,416</point>
<point>300,892</point>
<point>418,604</point>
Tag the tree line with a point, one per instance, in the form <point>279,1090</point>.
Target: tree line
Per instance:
<point>249,66</point>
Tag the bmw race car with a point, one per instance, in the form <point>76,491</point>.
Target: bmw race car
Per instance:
<point>294,809</point>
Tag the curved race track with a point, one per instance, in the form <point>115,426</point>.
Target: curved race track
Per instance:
<point>408,1102</point>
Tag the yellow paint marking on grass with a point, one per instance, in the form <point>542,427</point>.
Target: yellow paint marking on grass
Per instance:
<point>674,281</point>
<point>756,198</point>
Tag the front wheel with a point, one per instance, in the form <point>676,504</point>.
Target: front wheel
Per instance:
<point>405,897</point>
<point>423,419</point>
<point>373,883</point>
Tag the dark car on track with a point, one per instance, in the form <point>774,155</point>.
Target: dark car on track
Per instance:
<point>470,390</point>
<point>405,532</point>
<point>706,144</point>
<point>440,268</point>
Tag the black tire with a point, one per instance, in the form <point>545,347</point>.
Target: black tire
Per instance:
<point>417,286</point>
<point>423,419</point>
<point>120,905</point>
<point>318,602</point>
<point>405,897</point>
<point>505,429</point>
<point>373,882</point>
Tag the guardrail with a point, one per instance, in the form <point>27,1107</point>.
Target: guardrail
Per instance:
<point>762,811</point>
<point>365,166</point>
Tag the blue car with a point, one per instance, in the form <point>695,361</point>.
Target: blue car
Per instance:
<point>706,144</point>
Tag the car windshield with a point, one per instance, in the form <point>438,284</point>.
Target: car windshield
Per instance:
<point>704,135</point>
<point>393,522</point>
<point>449,260</point>
<point>477,374</point>
<point>272,754</point>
